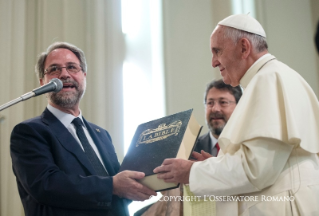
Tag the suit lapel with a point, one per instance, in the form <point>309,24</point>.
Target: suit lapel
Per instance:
<point>208,143</point>
<point>101,143</point>
<point>66,139</point>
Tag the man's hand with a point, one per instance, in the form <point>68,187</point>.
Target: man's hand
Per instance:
<point>174,170</point>
<point>125,185</point>
<point>201,156</point>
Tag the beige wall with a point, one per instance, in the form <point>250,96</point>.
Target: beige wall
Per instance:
<point>290,34</point>
<point>187,26</point>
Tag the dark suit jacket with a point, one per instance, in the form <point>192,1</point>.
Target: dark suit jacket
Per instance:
<point>204,143</point>
<point>53,174</point>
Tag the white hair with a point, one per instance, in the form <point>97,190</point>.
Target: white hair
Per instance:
<point>258,42</point>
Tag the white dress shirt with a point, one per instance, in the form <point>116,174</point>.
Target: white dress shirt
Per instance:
<point>214,150</point>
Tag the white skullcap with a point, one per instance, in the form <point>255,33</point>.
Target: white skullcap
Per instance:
<point>244,22</point>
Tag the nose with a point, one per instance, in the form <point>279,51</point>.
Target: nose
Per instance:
<point>64,72</point>
<point>216,107</point>
<point>215,62</point>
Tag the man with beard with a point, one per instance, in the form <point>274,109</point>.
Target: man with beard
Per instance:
<point>65,165</point>
<point>220,101</point>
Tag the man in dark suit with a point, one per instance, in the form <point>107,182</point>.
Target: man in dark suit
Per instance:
<point>220,101</point>
<point>65,165</point>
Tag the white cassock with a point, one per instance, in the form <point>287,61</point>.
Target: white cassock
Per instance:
<point>269,147</point>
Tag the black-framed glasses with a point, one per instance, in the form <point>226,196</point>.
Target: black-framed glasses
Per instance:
<point>222,103</point>
<point>55,70</point>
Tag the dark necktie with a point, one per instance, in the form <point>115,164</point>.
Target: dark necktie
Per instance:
<point>217,146</point>
<point>94,160</point>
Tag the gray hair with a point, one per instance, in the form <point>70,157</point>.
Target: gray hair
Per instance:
<point>39,67</point>
<point>258,42</point>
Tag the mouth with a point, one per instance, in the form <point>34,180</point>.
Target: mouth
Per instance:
<point>221,70</point>
<point>68,86</point>
<point>217,119</point>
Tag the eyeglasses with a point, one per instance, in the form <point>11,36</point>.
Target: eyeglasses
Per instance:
<point>56,70</point>
<point>222,103</point>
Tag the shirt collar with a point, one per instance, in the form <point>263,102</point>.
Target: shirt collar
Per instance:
<point>213,139</point>
<point>65,118</point>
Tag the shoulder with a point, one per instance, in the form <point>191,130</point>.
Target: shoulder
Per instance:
<point>204,136</point>
<point>276,68</point>
<point>203,139</point>
<point>30,123</point>
<point>32,131</point>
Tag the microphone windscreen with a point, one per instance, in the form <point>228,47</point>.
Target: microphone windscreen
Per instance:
<point>59,84</point>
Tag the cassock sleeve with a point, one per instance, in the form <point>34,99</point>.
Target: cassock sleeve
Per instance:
<point>255,166</point>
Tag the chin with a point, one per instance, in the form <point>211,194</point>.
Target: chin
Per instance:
<point>230,82</point>
<point>226,81</point>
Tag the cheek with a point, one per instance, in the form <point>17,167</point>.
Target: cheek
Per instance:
<point>44,81</point>
<point>81,80</point>
<point>208,112</point>
<point>228,113</point>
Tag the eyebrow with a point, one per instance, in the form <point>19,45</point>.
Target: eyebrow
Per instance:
<point>220,98</point>
<point>68,63</point>
<point>214,49</point>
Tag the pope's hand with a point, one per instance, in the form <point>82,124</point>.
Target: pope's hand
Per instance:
<point>201,156</point>
<point>174,170</point>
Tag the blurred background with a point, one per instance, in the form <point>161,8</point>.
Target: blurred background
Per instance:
<point>146,59</point>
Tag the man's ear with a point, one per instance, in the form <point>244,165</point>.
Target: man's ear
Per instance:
<point>41,81</point>
<point>245,47</point>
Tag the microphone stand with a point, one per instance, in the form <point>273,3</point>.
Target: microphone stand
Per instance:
<point>17,100</point>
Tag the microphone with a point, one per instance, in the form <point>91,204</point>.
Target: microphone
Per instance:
<point>54,85</point>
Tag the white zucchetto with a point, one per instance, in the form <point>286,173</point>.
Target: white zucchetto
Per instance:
<point>244,22</point>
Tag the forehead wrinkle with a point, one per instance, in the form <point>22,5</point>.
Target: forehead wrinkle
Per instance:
<point>62,54</point>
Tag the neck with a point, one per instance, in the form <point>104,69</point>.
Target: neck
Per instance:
<point>215,135</point>
<point>75,110</point>
<point>254,57</point>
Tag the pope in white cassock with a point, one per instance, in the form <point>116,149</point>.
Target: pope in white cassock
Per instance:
<point>269,148</point>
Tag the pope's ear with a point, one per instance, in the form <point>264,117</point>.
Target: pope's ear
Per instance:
<point>245,47</point>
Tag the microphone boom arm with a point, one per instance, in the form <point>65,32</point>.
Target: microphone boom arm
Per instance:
<point>17,100</point>
<point>54,85</point>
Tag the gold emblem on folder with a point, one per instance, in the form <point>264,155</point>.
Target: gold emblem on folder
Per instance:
<point>159,133</point>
